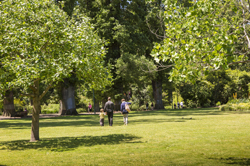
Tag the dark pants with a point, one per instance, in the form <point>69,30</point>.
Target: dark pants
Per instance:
<point>110,116</point>
<point>102,122</point>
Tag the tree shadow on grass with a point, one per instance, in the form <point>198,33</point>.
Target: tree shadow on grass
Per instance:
<point>234,160</point>
<point>49,122</point>
<point>68,143</point>
<point>159,120</point>
<point>180,112</point>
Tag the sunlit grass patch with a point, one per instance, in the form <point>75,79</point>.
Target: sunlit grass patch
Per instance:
<point>166,137</point>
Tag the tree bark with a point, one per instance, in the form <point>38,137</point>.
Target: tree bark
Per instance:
<point>96,106</point>
<point>157,93</point>
<point>104,102</point>
<point>117,105</point>
<point>35,113</point>
<point>8,104</point>
<point>67,103</point>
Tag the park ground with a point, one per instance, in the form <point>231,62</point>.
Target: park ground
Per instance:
<point>165,137</point>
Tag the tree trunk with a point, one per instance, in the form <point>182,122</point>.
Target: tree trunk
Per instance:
<point>8,104</point>
<point>104,102</point>
<point>96,106</point>
<point>35,113</point>
<point>157,93</point>
<point>67,103</point>
<point>117,105</point>
<point>31,101</point>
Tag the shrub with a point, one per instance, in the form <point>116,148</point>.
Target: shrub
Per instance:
<point>79,110</point>
<point>50,108</point>
<point>47,111</point>
<point>191,104</point>
<point>231,108</point>
<point>134,106</point>
<point>224,108</point>
<point>207,105</point>
<point>218,103</point>
<point>236,105</point>
<point>141,108</point>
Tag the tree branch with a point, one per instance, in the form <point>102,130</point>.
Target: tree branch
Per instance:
<point>246,61</point>
<point>28,95</point>
<point>244,26</point>
<point>31,87</point>
<point>45,91</point>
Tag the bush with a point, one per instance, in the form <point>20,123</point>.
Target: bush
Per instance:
<point>224,108</point>
<point>141,108</point>
<point>233,105</point>
<point>231,108</point>
<point>47,111</point>
<point>79,110</point>
<point>50,108</point>
<point>207,105</point>
<point>134,106</point>
<point>218,103</point>
<point>191,104</point>
<point>238,101</point>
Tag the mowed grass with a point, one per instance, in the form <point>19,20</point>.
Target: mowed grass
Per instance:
<point>165,137</point>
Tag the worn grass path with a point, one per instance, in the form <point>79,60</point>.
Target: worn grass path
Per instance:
<point>166,137</point>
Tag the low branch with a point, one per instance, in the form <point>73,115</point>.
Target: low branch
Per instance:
<point>45,91</point>
<point>155,33</point>
<point>31,87</point>
<point>246,61</point>
<point>28,95</point>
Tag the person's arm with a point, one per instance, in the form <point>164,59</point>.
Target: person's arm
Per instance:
<point>105,106</point>
<point>121,108</point>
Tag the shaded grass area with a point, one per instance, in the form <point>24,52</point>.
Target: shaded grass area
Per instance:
<point>165,137</point>
<point>67,143</point>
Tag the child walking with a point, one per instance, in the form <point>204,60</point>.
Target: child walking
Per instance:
<point>102,117</point>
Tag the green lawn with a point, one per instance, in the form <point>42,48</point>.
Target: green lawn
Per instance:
<point>167,137</point>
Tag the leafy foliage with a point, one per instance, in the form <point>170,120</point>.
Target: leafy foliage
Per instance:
<point>204,37</point>
<point>38,40</point>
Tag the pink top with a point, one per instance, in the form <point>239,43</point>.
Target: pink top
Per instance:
<point>90,106</point>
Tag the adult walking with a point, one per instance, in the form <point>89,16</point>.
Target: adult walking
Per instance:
<point>124,111</point>
<point>109,108</point>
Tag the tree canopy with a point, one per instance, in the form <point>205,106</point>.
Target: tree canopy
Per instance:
<point>208,35</point>
<point>39,42</point>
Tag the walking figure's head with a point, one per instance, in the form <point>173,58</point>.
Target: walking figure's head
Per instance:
<point>123,100</point>
<point>109,98</point>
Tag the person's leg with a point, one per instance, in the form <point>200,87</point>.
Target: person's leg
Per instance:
<point>110,115</point>
<point>126,119</point>
<point>103,122</point>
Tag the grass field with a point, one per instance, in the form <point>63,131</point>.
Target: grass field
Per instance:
<point>166,137</point>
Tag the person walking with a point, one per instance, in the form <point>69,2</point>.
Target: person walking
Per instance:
<point>102,117</point>
<point>109,108</point>
<point>147,106</point>
<point>124,111</point>
<point>181,104</point>
<point>89,108</point>
<point>152,106</point>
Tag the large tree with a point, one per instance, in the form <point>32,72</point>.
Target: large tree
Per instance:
<point>206,36</point>
<point>40,43</point>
